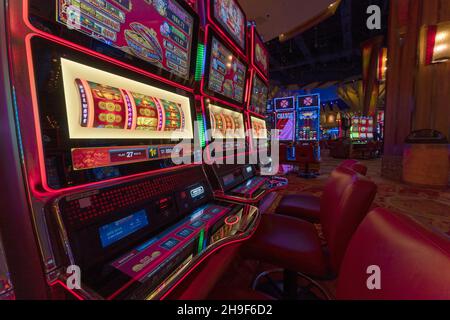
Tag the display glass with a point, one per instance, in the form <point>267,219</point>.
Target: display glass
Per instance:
<point>309,101</point>
<point>97,120</point>
<point>160,32</point>
<point>102,105</point>
<point>226,124</point>
<point>116,231</point>
<point>230,17</point>
<point>260,55</point>
<point>259,128</point>
<point>260,92</point>
<point>286,125</point>
<point>227,73</point>
<point>308,124</point>
<point>284,104</point>
<point>362,128</point>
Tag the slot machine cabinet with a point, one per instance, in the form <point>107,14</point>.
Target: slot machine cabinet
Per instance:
<point>6,286</point>
<point>95,123</point>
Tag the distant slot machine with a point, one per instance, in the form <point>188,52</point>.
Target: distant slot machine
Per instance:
<point>225,88</point>
<point>308,118</point>
<point>105,102</point>
<point>362,129</point>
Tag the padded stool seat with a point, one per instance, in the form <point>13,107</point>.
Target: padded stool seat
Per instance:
<point>307,206</point>
<point>288,242</point>
<point>301,206</point>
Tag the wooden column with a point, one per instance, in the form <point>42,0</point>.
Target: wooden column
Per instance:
<point>417,95</point>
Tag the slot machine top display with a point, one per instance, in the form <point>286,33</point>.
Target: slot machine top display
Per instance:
<point>114,82</point>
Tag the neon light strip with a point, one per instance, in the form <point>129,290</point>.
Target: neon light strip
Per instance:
<point>252,58</point>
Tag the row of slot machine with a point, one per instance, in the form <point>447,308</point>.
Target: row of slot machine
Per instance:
<point>298,120</point>
<point>102,94</point>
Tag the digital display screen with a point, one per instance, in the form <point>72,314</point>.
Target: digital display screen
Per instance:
<point>308,124</point>
<point>259,128</point>
<point>232,19</point>
<point>261,55</point>
<point>113,232</point>
<point>102,105</point>
<point>226,124</point>
<point>284,104</point>
<point>157,31</point>
<point>260,92</point>
<point>226,73</point>
<point>286,125</point>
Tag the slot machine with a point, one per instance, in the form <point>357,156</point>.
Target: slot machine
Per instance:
<point>362,130</point>
<point>308,129</point>
<point>104,98</point>
<point>224,89</point>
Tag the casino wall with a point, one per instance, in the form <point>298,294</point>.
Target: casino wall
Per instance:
<point>417,92</point>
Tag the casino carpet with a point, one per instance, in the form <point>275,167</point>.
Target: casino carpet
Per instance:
<point>429,206</point>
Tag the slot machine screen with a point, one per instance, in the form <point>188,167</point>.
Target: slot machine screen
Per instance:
<point>260,55</point>
<point>102,105</point>
<point>260,92</point>
<point>227,74</point>
<point>259,128</point>
<point>286,125</point>
<point>100,121</point>
<point>226,124</point>
<point>230,17</point>
<point>158,32</point>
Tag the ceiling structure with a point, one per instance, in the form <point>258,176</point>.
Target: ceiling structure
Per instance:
<point>329,51</point>
<point>274,18</point>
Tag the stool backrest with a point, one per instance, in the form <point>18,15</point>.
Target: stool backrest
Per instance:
<point>392,257</point>
<point>345,202</point>
<point>355,165</point>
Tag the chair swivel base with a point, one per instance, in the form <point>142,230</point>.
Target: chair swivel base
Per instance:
<point>283,285</point>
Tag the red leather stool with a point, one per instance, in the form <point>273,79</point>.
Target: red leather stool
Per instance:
<point>295,245</point>
<point>414,263</point>
<point>307,206</point>
<point>305,156</point>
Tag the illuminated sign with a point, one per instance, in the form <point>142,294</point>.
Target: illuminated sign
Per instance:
<point>159,32</point>
<point>284,104</point>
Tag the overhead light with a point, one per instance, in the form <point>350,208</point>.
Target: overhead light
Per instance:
<point>382,65</point>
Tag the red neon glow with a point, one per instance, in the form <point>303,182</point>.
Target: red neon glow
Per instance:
<point>431,41</point>
<point>62,284</point>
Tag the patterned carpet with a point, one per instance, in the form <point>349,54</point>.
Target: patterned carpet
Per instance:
<point>429,206</point>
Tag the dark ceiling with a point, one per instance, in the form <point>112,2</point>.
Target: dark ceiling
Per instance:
<point>330,51</point>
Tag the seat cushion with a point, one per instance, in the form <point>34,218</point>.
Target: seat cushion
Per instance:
<point>302,206</point>
<point>289,243</point>
<point>412,261</point>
